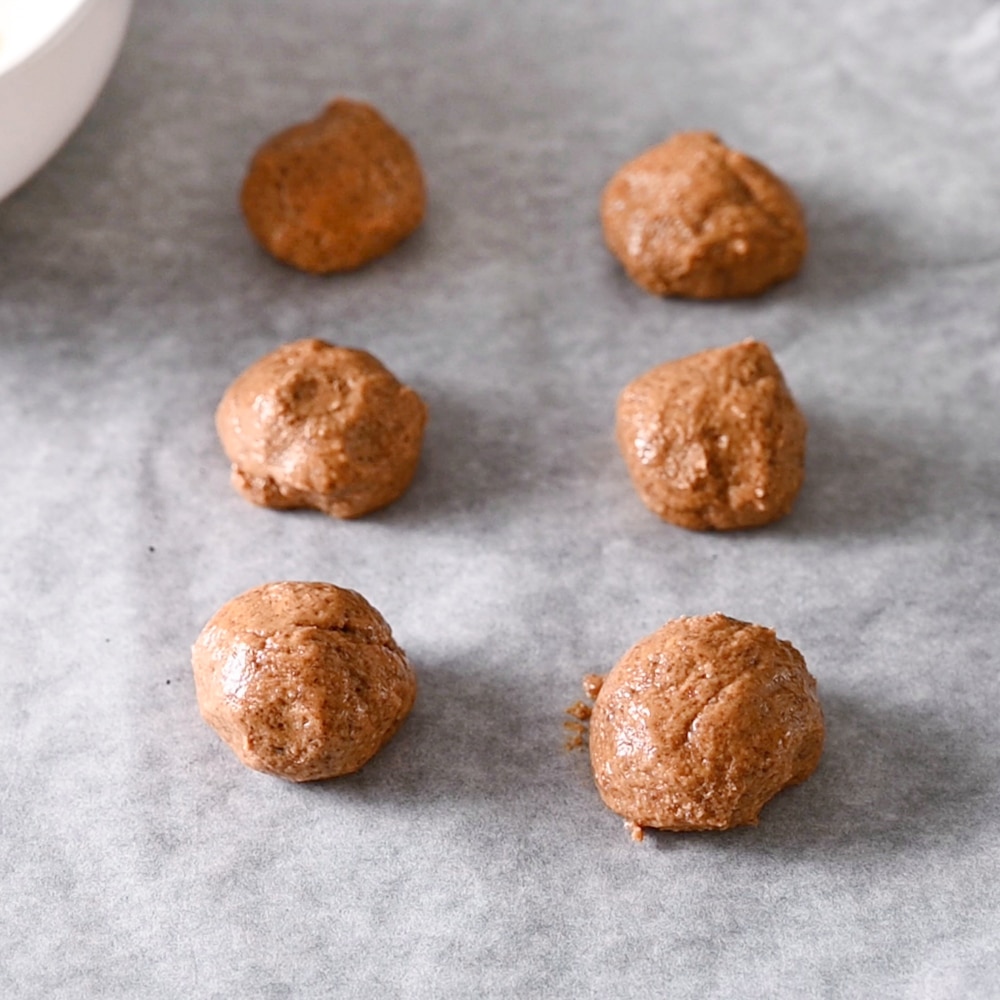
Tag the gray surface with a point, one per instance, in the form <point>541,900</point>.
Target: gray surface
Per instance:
<point>473,857</point>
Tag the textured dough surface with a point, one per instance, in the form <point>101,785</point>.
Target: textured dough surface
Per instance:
<point>334,193</point>
<point>701,723</point>
<point>692,217</point>
<point>714,440</point>
<point>302,680</point>
<point>314,425</point>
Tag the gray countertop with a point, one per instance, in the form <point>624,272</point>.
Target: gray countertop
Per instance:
<point>473,856</point>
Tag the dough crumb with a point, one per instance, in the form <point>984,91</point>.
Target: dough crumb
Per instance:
<point>577,726</point>
<point>581,711</point>
<point>703,722</point>
<point>692,217</point>
<point>575,733</point>
<point>302,680</point>
<point>635,831</point>
<point>714,440</point>
<point>315,425</point>
<point>334,193</point>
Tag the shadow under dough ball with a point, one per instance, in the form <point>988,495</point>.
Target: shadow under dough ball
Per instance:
<point>693,218</point>
<point>314,425</point>
<point>714,440</point>
<point>334,193</point>
<point>302,680</point>
<point>701,723</point>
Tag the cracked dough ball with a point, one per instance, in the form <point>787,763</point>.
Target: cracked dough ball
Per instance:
<point>302,680</point>
<point>701,723</point>
<point>313,425</point>
<point>334,193</point>
<point>693,218</point>
<point>714,440</point>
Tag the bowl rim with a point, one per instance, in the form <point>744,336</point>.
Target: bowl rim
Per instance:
<point>48,38</point>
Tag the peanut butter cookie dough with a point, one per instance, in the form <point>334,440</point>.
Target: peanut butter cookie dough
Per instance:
<point>314,425</point>
<point>693,218</point>
<point>714,440</point>
<point>334,193</point>
<point>302,680</point>
<point>701,723</point>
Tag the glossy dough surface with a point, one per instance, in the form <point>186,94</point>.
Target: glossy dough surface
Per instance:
<point>302,680</point>
<point>334,193</point>
<point>714,440</point>
<point>314,425</point>
<point>701,723</point>
<point>692,217</point>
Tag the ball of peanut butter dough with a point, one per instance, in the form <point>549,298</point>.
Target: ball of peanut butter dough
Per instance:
<point>334,193</point>
<point>692,217</point>
<point>314,425</point>
<point>714,440</point>
<point>701,723</point>
<point>302,680</point>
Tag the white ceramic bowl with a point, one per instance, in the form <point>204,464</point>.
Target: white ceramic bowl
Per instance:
<point>55,56</point>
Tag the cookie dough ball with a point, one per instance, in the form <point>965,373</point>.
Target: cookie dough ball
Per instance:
<point>313,425</point>
<point>693,218</point>
<point>714,440</point>
<point>302,680</point>
<point>334,193</point>
<point>701,723</point>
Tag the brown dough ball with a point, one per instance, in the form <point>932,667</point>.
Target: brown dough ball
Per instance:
<point>701,723</point>
<point>334,193</point>
<point>692,217</point>
<point>302,680</point>
<point>714,440</point>
<point>313,425</point>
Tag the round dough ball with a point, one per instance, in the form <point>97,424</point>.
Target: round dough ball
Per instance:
<point>701,723</point>
<point>334,193</point>
<point>693,218</point>
<point>302,680</point>
<point>714,440</point>
<point>313,425</point>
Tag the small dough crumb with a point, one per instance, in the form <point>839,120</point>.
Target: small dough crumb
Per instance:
<point>592,685</point>
<point>714,440</point>
<point>692,217</point>
<point>575,732</point>
<point>576,727</point>
<point>302,680</point>
<point>701,723</point>
<point>314,425</point>
<point>334,193</point>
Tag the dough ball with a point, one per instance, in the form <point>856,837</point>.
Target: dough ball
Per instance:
<point>701,723</point>
<point>692,217</point>
<point>302,680</point>
<point>313,425</point>
<point>714,440</point>
<point>334,193</point>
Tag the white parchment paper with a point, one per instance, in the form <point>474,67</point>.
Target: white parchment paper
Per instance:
<point>473,857</point>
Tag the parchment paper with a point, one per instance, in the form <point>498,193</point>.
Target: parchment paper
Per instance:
<point>473,856</point>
